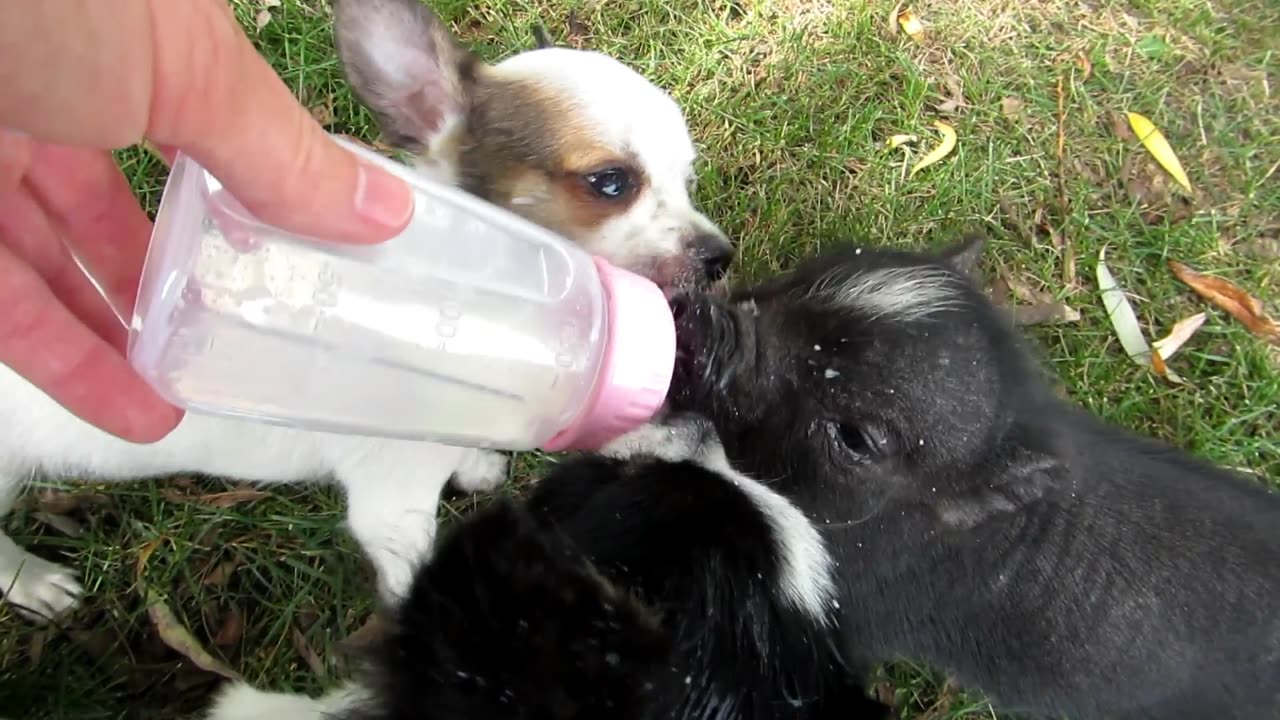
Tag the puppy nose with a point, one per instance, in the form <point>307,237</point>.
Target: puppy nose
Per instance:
<point>715,253</point>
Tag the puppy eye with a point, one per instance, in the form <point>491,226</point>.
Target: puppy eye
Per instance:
<point>863,440</point>
<point>609,184</point>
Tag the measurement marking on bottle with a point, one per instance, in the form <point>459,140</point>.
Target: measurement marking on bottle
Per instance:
<point>450,313</point>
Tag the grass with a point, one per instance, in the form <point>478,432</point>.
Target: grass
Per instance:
<point>790,102</point>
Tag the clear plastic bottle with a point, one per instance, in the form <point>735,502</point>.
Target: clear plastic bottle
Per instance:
<point>473,327</point>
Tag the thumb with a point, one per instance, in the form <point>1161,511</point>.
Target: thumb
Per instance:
<point>217,99</point>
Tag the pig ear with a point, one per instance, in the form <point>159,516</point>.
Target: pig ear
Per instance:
<point>1014,479</point>
<point>405,66</point>
<point>965,257</point>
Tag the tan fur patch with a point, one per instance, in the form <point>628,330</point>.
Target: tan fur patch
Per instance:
<point>528,149</point>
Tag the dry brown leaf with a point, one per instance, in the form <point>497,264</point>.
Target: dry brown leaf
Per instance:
<point>577,29</point>
<point>61,523</point>
<point>98,643</point>
<point>323,112</point>
<point>998,290</point>
<point>231,629</point>
<point>1086,67</point>
<point>218,576</point>
<point>891,22</point>
<point>174,634</point>
<point>1024,292</point>
<point>309,655</point>
<point>227,499</point>
<point>1045,314</point>
<point>954,95</point>
<point>35,647</point>
<point>1263,248</point>
<point>1039,307</point>
<point>61,502</point>
<point>144,554</point>
<point>1120,126</point>
<point>1011,108</point>
<point>363,637</point>
<point>1242,306</point>
<point>885,694</point>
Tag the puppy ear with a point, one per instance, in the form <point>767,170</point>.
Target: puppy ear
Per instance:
<point>965,256</point>
<point>404,65</point>
<point>1006,485</point>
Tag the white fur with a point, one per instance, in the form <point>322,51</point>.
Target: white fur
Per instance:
<point>807,577</point>
<point>906,294</point>
<point>392,486</point>
<point>238,701</point>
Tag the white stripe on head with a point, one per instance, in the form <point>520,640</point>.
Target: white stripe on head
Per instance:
<point>806,576</point>
<point>898,293</point>
<point>806,573</point>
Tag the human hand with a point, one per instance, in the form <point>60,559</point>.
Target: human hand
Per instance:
<point>82,77</point>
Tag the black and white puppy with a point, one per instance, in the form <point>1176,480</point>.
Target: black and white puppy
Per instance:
<point>978,522</point>
<point>625,589</point>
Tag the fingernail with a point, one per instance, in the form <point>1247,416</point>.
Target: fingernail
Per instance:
<point>382,199</point>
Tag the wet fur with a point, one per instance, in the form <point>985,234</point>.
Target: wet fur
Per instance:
<point>1061,564</point>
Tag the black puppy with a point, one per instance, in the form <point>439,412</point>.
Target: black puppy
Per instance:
<point>981,524</point>
<point>628,590</point>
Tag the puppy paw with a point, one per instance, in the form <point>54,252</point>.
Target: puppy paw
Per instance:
<point>237,701</point>
<point>396,567</point>
<point>40,590</point>
<point>678,438</point>
<point>480,471</point>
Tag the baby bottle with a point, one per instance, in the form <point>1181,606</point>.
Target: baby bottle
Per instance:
<point>472,327</point>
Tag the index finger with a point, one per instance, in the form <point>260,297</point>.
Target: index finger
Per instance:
<point>44,343</point>
<point>215,97</point>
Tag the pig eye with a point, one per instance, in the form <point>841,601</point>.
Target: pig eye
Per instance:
<point>862,439</point>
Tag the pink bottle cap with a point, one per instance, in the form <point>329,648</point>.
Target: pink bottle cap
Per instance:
<point>635,373</point>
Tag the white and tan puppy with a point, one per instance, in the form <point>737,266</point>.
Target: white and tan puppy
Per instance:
<point>570,139</point>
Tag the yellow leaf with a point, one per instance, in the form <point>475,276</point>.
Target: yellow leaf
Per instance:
<point>1156,144</point>
<point>897,140</point>
<point>911,24</point>
<point>942,150</point>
